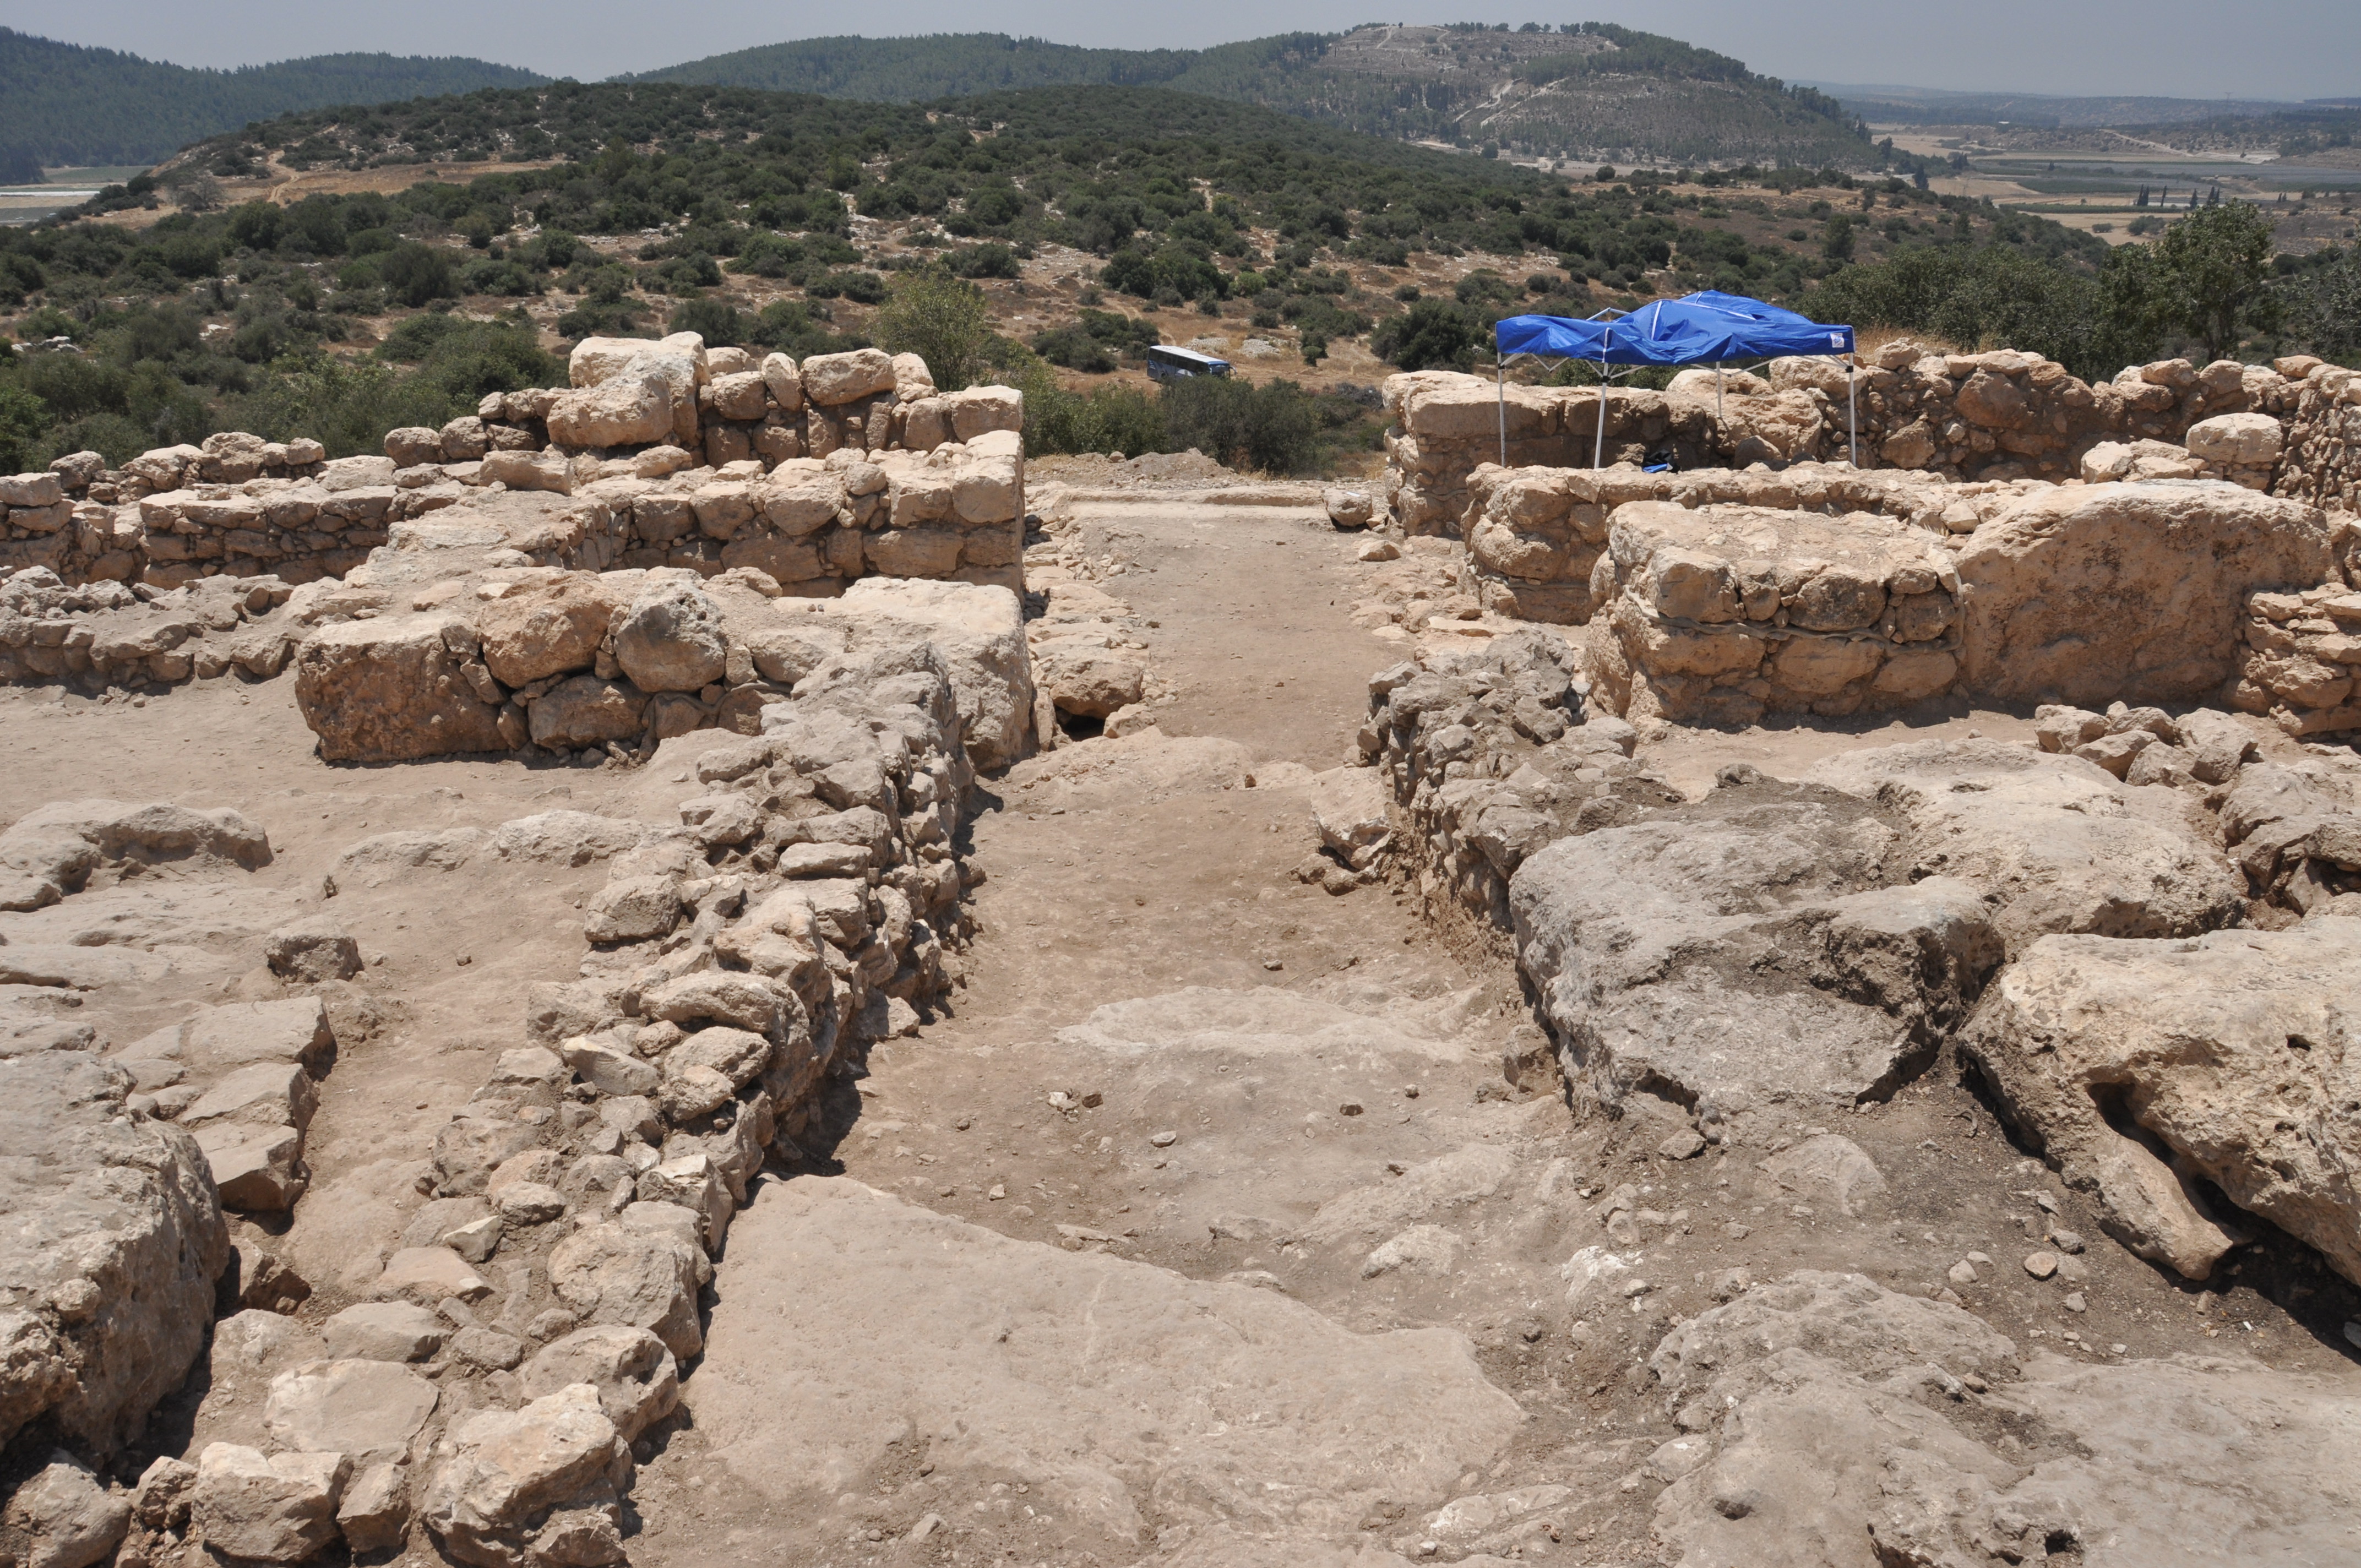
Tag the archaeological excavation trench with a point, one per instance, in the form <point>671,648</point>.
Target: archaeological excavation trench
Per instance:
<point>726,969</point>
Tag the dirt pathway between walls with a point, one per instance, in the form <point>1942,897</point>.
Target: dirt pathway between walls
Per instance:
<point>1206,1230</point>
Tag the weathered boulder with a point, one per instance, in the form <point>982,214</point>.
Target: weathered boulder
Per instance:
<point>528,471</point>
<point>671,639</point>
<point>2141,1067</point>
<point>394,690</point>
<point>977,633</point>
<point>1349,811</point>
<point>62,1516</point>
<point>508,1468</point>
<point>2129,591</point>
<point>1740,953</point>
<point>2054,843</point>
<point>584,710</point>
<point>829,379</point>
<point>362,1406</point>
<point>638,1277</point>
<point>312,951</point>
<point>547,627</point>
<point>1085,679</point>
<point>2236,441</point>
<point>277,1508</point>
<point>50,850</point>
<point>636,1377</point>
<point>1835,1424</point>
<point>384,1331</point>
<point>628,411</point>
<point>114,1240</point>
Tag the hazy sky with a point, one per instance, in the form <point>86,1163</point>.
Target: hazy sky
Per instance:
<point>2265,49</point>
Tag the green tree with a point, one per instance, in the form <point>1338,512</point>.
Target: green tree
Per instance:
<point>1270,429</point>
<point>943,320</point>
<point>23,416</point>
<point>1432,333</point>
<point>418,274</point>
<point>2207,278</point>
<point>2331,312</point>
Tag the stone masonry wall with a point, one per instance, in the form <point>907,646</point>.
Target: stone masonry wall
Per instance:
<point>806,904</point>
<point>2322,463</point>
<point>671,439</point>
<point>1725,613</point>
<point>1992,417</point>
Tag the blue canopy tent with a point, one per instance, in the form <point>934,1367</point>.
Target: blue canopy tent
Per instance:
<point>1708,327</point>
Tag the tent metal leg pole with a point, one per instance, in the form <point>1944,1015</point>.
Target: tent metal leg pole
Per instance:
<point>1852,414</point>
<point>1598,438</point>
<point>1716,394</point>
<point>1501,366</point>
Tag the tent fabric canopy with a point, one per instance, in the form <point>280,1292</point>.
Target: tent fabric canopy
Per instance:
<point>1700,328</point>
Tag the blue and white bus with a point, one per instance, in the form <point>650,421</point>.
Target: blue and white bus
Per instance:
<point>1165,363</point>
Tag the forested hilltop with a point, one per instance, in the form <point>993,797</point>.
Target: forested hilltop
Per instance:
<point>1591,92</point>
<point>61,104</point>
<point>1588,91</point>
<point>1060,230</point>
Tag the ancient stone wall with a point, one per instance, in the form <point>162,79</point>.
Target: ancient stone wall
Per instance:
<point>1995,416</point>
<point>1488,756</point>
<point>2086,594</point>
<point>2298,658</point>
<point>847,466</point>
<point>805,904</point>
<point>1722,614</point>
<point>617,663</point>
<point>2322,463</point>
<point>1535,535</point>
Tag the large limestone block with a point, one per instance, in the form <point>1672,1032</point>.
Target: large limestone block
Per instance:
<point>639,1279</point>
<point>545,628</point>
<point>1466,408</point>
<point>1740,953</point>
<point>830,379</point>
<point>636,1377</point>
<point>507,1468</point>
<point>392,689</point>
<point>1111,1382</point>
<point>2057,844</point>
<point>627,410</point>
<point>2140,1065</point>
<point>2240,440</point>
<point>977,631</point>
<point>978,411</point>
<point>585,711</point>
<point>1785,426</point>
<point>114,1240</point>
<point>671,639</point>
<point>2128,591</point>
<point>278,1509</point>
<point>62,1516</point>
<point>1833,1425</point>
<point>1088,680</point>
<point>367,1407</point>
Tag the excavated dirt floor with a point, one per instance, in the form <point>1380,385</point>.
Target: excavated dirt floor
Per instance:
<point>1172,1062</point>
